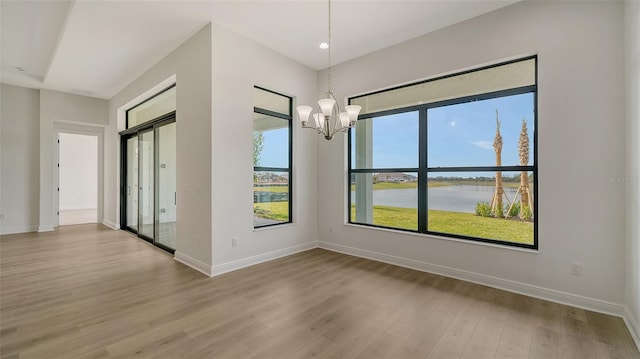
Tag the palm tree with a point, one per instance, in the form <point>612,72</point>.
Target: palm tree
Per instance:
<point>496,203</point>
<point>258,146</point>
<point>523,146</point>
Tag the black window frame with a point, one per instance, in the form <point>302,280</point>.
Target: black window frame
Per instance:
<point>142,103</point>
<point>288,170</point>
<point>423,170</point>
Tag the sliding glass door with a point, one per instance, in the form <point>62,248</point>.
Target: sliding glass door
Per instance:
<point>166,184</point>
<point>146,216</point>
<point>131,185</point>
<point>149,177</point>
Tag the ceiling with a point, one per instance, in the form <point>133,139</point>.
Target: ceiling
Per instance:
<point>96,48</point>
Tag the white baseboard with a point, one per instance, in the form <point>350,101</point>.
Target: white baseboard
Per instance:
<point>18,229</point>
<point>552,295</point>
<point>634,327</point>
<point>249,261</point>
<point>240,263</point>
<point>46,228</point>
<point>193,263</point>
<point>110,224</point>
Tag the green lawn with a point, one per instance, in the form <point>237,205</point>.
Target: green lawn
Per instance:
<point>466,224</point>
<point>278,211</point>
<point>279,189</point>
<point>394,185</point>
<point>405,218</point>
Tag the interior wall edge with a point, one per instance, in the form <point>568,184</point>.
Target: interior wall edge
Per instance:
<point>260,258</point>
<point>111,224</point>
<point>632,325</point>
<point>196,264</point>
<point>46,228</point>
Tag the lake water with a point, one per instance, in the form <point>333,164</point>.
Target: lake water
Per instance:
<point>462,198</point>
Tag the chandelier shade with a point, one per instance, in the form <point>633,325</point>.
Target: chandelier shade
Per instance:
<point>303,114</point>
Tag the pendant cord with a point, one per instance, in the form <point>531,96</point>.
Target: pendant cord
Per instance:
<point>329,54</point>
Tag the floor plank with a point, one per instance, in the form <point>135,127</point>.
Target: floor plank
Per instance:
<point>90,292</point>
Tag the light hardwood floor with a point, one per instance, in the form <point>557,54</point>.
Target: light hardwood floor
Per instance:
<point>90,292</point>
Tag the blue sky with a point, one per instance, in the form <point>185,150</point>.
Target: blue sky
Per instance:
<point>275,150</point>
<point>458,135</point>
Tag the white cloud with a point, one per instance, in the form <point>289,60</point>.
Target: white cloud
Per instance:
<point>452,123</point>
<point>483,144</point>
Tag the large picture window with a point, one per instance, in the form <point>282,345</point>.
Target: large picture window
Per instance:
<point>453,156</point>
<point>271,158</point>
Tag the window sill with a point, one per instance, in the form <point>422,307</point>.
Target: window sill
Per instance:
<point>275,226</point>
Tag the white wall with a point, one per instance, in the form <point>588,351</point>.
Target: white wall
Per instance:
<point>59,110</point>
<point>19,151</point>
<point>191,65</point>
<point>239,64</point>
<point>632,74</point>
<point>67,107</point>
<point>581,150</point>
<point>214,149</point>
<point>78,178</point>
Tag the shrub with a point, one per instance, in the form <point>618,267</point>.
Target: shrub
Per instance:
<point>515,210</point>
<point>526,213</point>
<point>483,209</point>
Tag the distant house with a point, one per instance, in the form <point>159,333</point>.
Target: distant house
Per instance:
<point>270,178</point>
<point>396,177</point>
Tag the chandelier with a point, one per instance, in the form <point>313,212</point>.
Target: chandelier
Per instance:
<point>329,120</point>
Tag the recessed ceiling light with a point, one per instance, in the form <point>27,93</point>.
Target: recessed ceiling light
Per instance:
<point>21,69</point>
<point>323,46</point>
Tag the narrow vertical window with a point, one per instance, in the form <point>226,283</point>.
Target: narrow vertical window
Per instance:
<point>272,143</point>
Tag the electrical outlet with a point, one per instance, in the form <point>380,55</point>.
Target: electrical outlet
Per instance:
<point>234,242</point>
<point>576,268</point>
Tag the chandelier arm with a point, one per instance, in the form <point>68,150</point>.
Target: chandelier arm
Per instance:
<point>314,128</point>
<point>342,129</point>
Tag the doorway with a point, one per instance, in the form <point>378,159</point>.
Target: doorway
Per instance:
<point>148,195</point>
<point>77,179</point>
